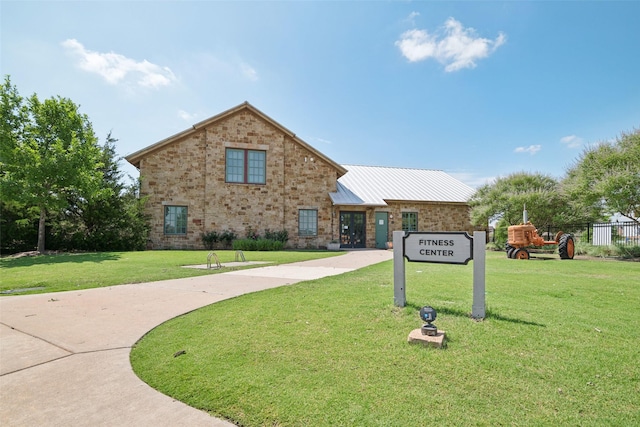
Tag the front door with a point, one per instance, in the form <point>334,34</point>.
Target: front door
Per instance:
<point>382,230</point>
<point>352,230</point>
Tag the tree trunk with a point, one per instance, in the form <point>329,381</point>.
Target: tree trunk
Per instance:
<point>43,216</point>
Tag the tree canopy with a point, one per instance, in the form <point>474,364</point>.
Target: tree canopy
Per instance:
<point>507,196</point>
<point>606,178</point>
<point>57,181</point>
<point>49,150</point>
<point>108,220</point>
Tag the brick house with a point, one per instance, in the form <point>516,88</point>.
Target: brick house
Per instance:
<point>240,170</point>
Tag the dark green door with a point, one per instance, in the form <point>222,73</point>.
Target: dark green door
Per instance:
<point>382,229</point>
<point>353,230</point>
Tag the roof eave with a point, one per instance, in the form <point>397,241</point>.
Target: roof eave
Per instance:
<point>439,202</point>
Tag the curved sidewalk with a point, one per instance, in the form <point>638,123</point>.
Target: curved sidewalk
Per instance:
<point>64,357</point>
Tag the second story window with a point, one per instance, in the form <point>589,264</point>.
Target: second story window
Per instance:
<point>246,166</point>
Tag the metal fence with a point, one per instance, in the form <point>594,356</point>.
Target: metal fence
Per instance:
<point>615,233</point>
<point>625,233</point>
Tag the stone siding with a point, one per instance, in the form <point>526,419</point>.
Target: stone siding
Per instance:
<point>431,217</point>
<point>191,172</point>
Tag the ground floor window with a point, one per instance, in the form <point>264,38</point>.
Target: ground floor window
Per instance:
<point>409,221</point>
<point>175,220</point>
<point>308,222</point>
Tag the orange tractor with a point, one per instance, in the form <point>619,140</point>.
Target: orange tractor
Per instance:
<point>525,235</point>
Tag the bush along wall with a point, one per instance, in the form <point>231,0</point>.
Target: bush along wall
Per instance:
<point>218,240</point>
<point>271,241</point>
<point>260,244</point>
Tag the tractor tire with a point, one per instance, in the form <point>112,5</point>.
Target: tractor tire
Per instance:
<point>521,254</point>
<point>511,251</point>
<point>566,246</point>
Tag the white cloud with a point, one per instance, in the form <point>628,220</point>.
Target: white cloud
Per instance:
<point>116,68</point>
<point>412,17</point>
<point>186,116</point>
<point>453,46</point>
<point>323,141</point>
<point>572,141</point>
<point>249,72</point>
<point>532,149</point>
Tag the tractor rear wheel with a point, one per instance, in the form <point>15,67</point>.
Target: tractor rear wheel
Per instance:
<point>521,254</point>
<point>566,246</point>
<point>509,249</point>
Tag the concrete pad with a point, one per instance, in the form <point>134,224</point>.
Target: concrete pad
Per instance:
<point>226,264</point>
<point>290,271</point>
<point>113,317</point>
<point>20,350</point>
<point>91,389</point>
<point>352,259</point>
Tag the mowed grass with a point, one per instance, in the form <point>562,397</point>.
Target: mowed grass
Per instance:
<point>560,346</point>
<point>64,272</point>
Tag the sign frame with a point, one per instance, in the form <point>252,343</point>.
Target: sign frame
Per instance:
<point>478,309</point>
<point>448,238</point>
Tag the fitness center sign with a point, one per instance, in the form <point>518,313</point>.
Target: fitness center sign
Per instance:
<point>439,247</point>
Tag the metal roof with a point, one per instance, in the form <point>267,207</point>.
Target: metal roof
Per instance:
<point>375,185</point>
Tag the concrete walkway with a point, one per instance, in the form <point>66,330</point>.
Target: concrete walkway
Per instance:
<point>64,357</point>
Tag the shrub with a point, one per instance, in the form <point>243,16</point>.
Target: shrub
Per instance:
<point>252,234</point>
<point>628,252</point>
<point>227,237</point>
<point>257,245</point>
<point>603,251</point>
<point>210,239</point>
<point>494,246</point>
<point>501,234</point>
<point>279,236</point>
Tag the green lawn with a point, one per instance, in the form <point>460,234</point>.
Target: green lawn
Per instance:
<point>560,346</point>
<point>54,273</point>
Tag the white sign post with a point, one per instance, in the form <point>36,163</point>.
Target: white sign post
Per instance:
<point>440,247</point>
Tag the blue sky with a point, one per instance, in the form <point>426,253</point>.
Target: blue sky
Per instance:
<point>477,89</point>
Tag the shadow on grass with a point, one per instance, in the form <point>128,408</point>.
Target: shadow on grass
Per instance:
<point>28,261</point>
<point>489,314</point>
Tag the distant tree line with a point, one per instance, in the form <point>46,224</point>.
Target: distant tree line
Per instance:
<point>603,181</point>
<point>60,189</point>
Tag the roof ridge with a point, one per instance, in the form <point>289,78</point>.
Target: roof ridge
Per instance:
<point>391,167</point>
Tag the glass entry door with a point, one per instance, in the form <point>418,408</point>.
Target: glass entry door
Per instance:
<point>353,230</point>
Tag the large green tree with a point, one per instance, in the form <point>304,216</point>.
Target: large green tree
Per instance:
<point>505,199</point>
<point>111,220</point>
<point>606,178</point>
<point>48,151</point>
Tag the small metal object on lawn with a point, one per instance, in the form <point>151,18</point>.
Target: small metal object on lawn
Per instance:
<point>428,334</point>
<point>428,314</point>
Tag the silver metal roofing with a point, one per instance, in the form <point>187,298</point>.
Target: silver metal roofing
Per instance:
<point>375,185</point>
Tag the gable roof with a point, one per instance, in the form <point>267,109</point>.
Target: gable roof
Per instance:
<point>375,185</point>
<point>135,158</point>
